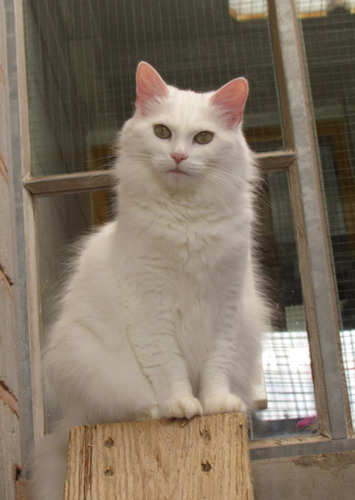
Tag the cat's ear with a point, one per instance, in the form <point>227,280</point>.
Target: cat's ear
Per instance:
<point>230,100</point>
<point>150,86</point>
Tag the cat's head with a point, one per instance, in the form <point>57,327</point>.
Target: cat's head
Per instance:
<point>183,139</point>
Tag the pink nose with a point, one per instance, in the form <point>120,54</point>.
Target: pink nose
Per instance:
<point>178,157</point>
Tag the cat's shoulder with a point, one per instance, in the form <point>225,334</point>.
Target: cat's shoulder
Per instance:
<point>96,244</point>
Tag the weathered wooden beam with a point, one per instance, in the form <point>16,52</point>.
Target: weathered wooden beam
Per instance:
<point>77,182</point>
<point>204,458</point>
<point>100,180</point>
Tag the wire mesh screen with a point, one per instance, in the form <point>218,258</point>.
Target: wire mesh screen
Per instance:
<point>328,32</point>
<point>286,359</point>
<point>82,58</point>
<point>81,63</point>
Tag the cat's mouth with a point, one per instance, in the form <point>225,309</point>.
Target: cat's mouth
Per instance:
<point>177,171</point>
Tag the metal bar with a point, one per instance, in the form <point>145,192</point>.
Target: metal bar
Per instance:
<point>300,231</point>
<point>322,321</point>
<point>100,180</point>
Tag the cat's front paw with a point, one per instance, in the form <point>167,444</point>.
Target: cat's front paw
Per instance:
<point>155,413</point>
<point>182,407</point>
<point>224,402</point>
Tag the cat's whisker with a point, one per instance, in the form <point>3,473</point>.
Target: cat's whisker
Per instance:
<point>226,178</point>
<point>221,178</point>
<point>144,155</point>
<point>210,164</point>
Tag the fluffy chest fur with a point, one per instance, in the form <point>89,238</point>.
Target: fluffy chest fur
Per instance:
<point>181,269</point>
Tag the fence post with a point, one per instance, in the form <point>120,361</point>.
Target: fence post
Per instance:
<point>206,458</point>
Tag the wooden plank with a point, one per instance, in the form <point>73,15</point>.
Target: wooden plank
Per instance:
<point>275,161</point>
<point>8,398</point>
<point>326,476</point>
<point>204,458</point>
<point>33,422</point>
<point>9,356</point>
<point>10,446</point>
<point>70,183</point>
<point>99,180</point>
<point>34,315</point>
<point>6,229</point>
<point>10,426</point>
<point>23,490</point>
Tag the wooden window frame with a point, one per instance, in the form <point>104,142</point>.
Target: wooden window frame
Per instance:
<point>300,161</point>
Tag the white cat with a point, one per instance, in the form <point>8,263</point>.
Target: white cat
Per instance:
<point>162,316</point>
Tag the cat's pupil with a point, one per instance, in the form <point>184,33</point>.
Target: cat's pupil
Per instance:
<point>162,131</point>
<point>203,137</point>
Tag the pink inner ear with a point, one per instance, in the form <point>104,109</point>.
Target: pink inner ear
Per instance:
<point>150,86</point>
<point>231,99</point>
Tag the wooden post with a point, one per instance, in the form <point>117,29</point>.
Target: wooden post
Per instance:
<point>206,458</point>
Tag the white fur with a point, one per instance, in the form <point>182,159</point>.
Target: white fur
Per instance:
<point>161,317</point>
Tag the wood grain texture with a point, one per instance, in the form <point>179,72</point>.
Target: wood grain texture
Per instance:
<point>10,451</point>
<point>205,458</point>
<point>23,490</point>
<point>100,180</point>
<point>9,399</point>
<point>11,426</point>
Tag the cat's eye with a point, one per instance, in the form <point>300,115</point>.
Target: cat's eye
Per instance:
<point>162,131</point>
<point>203,137</point>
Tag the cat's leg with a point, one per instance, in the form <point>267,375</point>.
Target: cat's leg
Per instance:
<point>162,361</point>
<point>169,378</point>
<point>228,371</point>
<point>216,393</point>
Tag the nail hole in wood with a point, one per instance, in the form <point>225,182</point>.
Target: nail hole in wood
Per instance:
<point>206,436</point>
<point>108,472</point>
<point>206,466</point>
<point>109,442</point>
